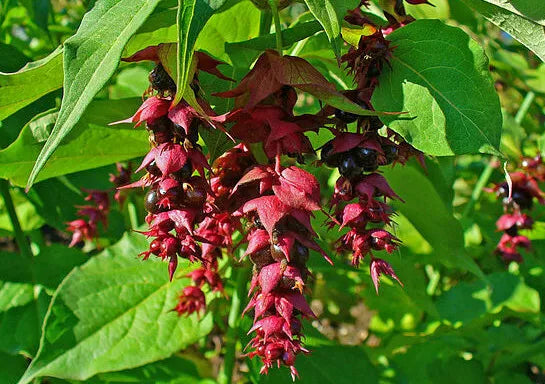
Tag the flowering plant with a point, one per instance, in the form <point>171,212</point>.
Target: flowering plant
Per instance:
<point>266,191</point>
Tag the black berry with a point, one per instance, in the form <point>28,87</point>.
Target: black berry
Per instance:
<point>366,158</point>
<point>151,200</point>
<point>183,173</point>
<point>327,157</point>
<point>349,167</point>
<point>160,80</point>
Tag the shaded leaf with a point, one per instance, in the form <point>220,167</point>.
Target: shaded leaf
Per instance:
<point>90,145</point>
<point>31,82</point>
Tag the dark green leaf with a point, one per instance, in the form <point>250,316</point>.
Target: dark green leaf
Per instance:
<point>114,313</point>
<point>12,367</point>
<point>13,59</point>
<point>90,145</point>
<point>30,83</point>
<point>90,58</point>
<point>440,77</point>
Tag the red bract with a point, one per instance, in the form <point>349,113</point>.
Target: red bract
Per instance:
<point>191,300</point>
<point>97,212</point>
<point>379,267</point>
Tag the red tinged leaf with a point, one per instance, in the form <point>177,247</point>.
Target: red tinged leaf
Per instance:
<point>208,64</point>
<point>150,110</point>
<point>182,114</point>
<point>298,189</point>
<point>169,157</point>
<point>284,308</point>
<point>352,212</point>
<point>257,240</point>
<point>268,325</point>
<point>346,141</point>
<point>269,209</point>
<point>262,173</point>
<point>150,53</point>
<point>298,301</point>
<point>269,276</point>
<point>375,184</point>
<point>520,220</point>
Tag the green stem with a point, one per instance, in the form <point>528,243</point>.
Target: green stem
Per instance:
<point>20,239</point>
<point>133,212</point>
<point>265,24</point>
<point>226,373</point>
<point>277,26</point>
<point>487,172</point>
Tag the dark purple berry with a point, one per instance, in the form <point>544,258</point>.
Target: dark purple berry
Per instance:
<point>183,173</point>
<point>513,231</point>
<point>160,80</point>
<point>366,158</point>
<point>349,167</point>
<point>153,169</point>
<point>391,153</point>
<point>151,202</point>
<point>523,199</point>
<point>329,159</point>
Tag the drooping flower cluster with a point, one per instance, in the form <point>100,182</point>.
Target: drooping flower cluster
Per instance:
<point>86,227</point>
<point>358,156</point>
<point>183,217</point>
<point>277,204</point>
<point>520,198</point>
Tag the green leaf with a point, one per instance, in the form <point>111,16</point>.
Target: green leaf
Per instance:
<point>529,9</point>
<point>478,298</point>
<point>13,59</point>
<point>502,14</point>
<point>31,82</point>
<point>330,14</point>
<point>440,77</point>
<point>159,28</point>
<point>90,145</point>
<point>90,58</point>
<point>215,36</point>
<point>12,367</point>
<point>242,54</point>
<point>191,18</point>
<point>426,209</point>
<point>114,313</point>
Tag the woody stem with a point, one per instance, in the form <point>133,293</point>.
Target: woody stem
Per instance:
<point>277,26</point>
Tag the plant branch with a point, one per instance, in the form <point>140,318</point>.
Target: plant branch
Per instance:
<point>20,239</point>
<point>487,172</point>
<point>277,26</point>
<point>226,373</point>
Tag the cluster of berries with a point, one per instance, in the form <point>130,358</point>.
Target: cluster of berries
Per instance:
<point>98,208</point>
<point>183,219</point>
<point>358,156</point>
<point>524,188</point>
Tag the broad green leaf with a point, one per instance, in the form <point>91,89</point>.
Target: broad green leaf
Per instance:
<point>114,313</point>
<point>91,144</point>
<point>353,35</point>
<point>27,214</point>
<point>501,13</point>
<point>243,20</point>
<point>31,82</point>
<point>90,58</point>
<point>440,77</point>
<point>425,208</point>
<point>191,18</point>
<point>330,14</point>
